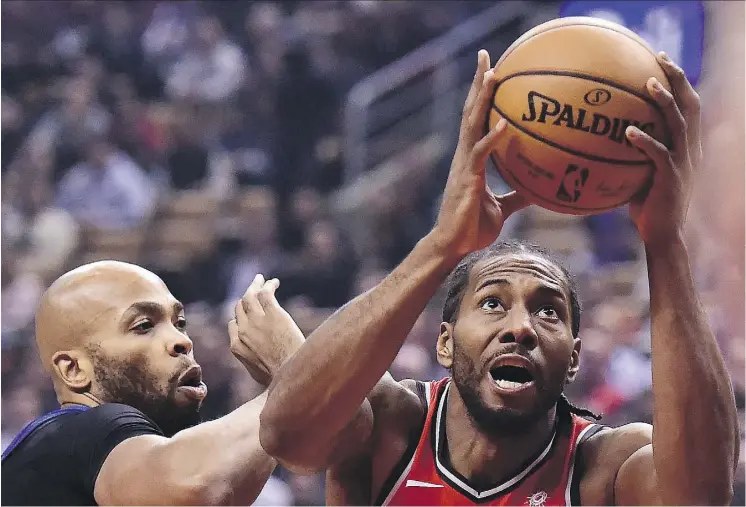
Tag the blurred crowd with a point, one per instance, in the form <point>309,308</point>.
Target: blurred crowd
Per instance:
<point>203,141</point>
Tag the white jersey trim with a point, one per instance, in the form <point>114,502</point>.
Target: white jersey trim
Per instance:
<point>400,480</point>
<point>461,484</point>
<point>568,500</point>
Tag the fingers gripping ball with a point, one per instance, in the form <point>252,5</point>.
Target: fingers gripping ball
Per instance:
<point>569,88</point>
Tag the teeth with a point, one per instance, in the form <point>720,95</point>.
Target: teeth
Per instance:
<point>508,384</point>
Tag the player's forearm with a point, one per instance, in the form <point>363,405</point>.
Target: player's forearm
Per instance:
<point>223,458</point>
<point>320,389</point>
<point>694,417</point>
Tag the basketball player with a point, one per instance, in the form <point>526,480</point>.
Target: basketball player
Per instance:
<point>498,431</point>
<point>116,344</point>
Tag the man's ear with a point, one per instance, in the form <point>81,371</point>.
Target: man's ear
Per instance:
<point>74,369</point>
<point>444,347</point>
<point>572,371</point>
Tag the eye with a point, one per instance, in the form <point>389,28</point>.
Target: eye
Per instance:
<point>181,324</point>
<point>548,312</point>
<point>143,327</point>
<point>491,304</point>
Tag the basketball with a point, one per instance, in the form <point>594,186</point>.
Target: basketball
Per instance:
<point>569,88</point>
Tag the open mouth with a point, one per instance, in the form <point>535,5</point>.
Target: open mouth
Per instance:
<point>512,373</point>
<point>190,384</point>
<point>191,378</point>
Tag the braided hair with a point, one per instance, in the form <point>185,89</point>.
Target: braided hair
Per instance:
<point>565,404</point>
<point>459,278</point>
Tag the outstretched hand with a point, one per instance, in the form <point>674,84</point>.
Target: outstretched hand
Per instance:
<point>471,216</point>
<point>263,335</point>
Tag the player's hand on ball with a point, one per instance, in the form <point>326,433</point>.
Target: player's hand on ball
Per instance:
<point>471,215</point>
<point>660,214</point>
<point>263,335</point>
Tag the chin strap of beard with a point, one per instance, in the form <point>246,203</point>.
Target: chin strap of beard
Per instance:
<point>582,412</point>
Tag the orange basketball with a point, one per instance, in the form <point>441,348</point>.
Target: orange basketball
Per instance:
<point>568,89</point>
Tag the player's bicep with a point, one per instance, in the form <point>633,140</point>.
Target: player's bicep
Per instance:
<point>636,482</point>
<point>629,451</point>
<point>134,473</point>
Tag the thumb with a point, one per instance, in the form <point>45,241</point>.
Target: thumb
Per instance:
<point>511,202</point>
<point>485,146</point>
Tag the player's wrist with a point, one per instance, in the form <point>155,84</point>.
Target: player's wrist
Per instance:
<point>665,245</point>
<point>436,246</point>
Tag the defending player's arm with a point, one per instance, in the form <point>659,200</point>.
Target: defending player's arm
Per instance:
<point>215,463</point>
<point>220,462</point>
<point>693,453</point>
<point>321,389</point>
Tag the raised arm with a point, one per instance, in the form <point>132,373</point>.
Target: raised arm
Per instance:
<point>694,448</point>
<point>321,388</point>
<point>220,462</point>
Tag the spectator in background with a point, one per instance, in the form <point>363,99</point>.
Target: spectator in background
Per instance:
<point>21,406</point>
<point>116,42</point>
<point>107,190</point>
<point>12,129</point>
<point>52,239</point>
<point>323,270</point>
<point>258,253</point>
<point>212,70</point>
<point>265,30</point>
<point>21,292</point>
<point>70,126</point>
<point>307,207</point>
<point>166,36</point>
<point>305,103</point>
<point>187,158</point>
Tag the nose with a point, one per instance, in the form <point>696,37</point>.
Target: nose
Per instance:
<point>519,329</point>
<point>179,344</point>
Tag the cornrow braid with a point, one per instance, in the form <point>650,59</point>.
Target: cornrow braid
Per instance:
<point>582,412</point>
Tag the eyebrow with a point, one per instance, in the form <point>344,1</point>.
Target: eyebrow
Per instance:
<point>492,281</point>
<point>543,289</point>
<point>151,308</point>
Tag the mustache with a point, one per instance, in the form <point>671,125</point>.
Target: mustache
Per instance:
<point>184,365</point>
<point>514,349</point>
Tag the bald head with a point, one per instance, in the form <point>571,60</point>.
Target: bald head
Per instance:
<point>81,301</point>
<point>111,332</point>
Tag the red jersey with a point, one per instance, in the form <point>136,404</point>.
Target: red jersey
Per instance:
<point>424,475</point>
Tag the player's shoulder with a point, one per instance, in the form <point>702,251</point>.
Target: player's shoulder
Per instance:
<point>108,416</point>
<point>621,442</point>
<point>603,455</point>
<point>399,412</point>
<point>398,398</point>
<point>113,411</point>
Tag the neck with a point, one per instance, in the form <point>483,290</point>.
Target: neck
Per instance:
<point>86,399</point>
<point>488,459</point>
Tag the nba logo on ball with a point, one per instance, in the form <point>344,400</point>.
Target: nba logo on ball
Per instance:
<point>572,184</point>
